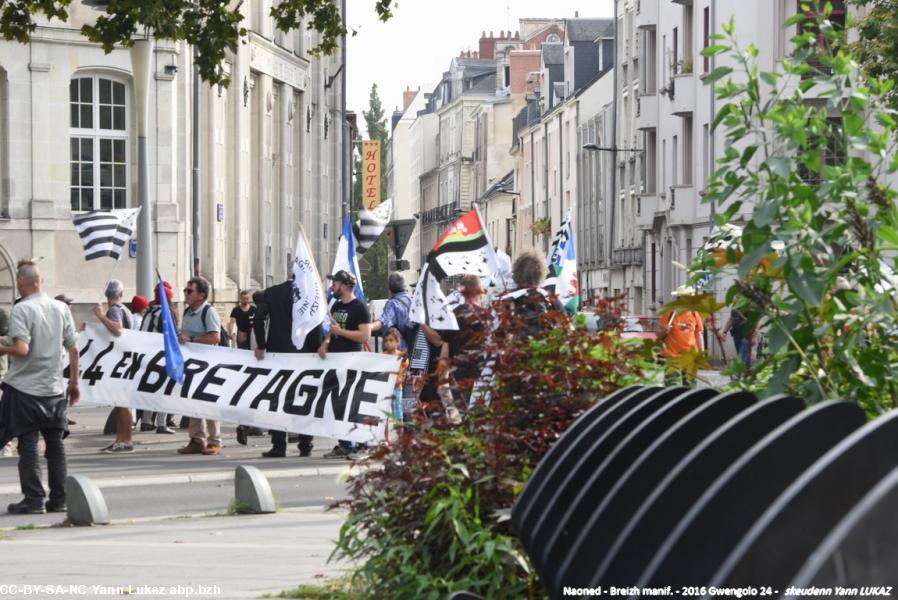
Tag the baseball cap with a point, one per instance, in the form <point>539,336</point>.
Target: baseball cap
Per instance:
<point>343,276</point>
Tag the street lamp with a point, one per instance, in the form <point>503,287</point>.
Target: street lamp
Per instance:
<point>596,148</point>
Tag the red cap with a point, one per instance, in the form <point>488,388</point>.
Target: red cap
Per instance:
<point>139,304</point>
<point>168,292</point>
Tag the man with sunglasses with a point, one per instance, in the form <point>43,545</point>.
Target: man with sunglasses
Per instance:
<point>200,325</point>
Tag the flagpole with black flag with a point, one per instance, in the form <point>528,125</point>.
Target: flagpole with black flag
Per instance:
<point>105,233</point>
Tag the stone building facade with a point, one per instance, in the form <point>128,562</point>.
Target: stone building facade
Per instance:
<point>271,156</point>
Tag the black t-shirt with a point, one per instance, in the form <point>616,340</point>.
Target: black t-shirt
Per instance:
<point>244,319</point>
<point>348,315</point>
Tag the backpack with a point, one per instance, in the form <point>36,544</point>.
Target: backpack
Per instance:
<point>223,338</point>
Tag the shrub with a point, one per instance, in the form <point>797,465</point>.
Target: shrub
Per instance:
<point>428,514</point>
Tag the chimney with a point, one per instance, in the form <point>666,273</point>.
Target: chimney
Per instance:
<point>407,96</point>
<point>487,46</point>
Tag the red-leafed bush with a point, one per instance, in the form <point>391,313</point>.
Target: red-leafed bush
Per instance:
<point>428,513</point>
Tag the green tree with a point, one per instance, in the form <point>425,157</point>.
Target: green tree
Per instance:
<point>877,45</point>
<point>375,281</point>
<point>211,26</point>
<point>815,266</point>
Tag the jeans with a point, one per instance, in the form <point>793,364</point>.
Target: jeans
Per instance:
<point>743,348</point>
<point>30,467</point>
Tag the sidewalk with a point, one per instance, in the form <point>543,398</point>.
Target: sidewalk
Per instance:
<point>243,556</point>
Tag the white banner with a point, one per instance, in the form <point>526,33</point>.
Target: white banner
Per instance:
<point>344,396</point>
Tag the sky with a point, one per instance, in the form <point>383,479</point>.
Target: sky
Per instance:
<point>415,46</point>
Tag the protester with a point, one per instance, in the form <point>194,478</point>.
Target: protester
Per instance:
<point>395,313</point>
<point>34,400</point>
<point>67,300</point>
<point>7,449</point>
<point>116,319</point>
<point>242,317</point>
<point>684,333</point>
<point>530,306</point>
<point>350,327</point>
<point>392,339</point>
<point>736,327</point>
<point>466,344</point>
<point>139,306</point>
<point>277,307</point>
<point>152,323</point>
<point>200,325</point>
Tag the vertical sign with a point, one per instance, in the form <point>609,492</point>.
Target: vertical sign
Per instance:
<point>370,173</point>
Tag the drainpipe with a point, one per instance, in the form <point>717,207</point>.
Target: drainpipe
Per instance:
<point>613,202</point>
<point>195,182</point>
<point>560,171</point>
<point>546,179</point>
<point>532,191</point>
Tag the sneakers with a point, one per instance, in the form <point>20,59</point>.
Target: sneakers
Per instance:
<point>56,507</point>
<point>210,450</point>
<point>305,452</point>
<point>164,429</point>
<point>359,454</point>
<point>338,452</point>
<point>23,508</point>
<point>273,453</point>
<point>192,448</point>
<point>118,448</point>
<point>241,435</point>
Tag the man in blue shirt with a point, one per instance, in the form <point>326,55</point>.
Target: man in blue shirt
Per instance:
<point>395,312</point>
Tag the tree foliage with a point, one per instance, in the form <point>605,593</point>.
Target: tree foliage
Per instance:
<point>807,147</point>
<point>877,45</point>
<point>212,26</point>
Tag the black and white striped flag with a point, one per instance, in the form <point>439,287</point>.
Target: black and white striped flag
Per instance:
<point>104,232</point>
<point>371,224</point>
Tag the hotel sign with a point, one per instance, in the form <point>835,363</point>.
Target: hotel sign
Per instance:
<point>370,173</point>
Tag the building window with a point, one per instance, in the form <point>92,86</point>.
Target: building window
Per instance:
<point>706,37</point>
<point>687,151</point>
<point>836,17</point>
<point>98,143</point>
<point>833,152</point>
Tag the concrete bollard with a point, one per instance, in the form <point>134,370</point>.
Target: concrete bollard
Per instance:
<point>252,491</point>
<point>85,502</point>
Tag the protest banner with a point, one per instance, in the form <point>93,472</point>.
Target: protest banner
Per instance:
<point>345,396</point>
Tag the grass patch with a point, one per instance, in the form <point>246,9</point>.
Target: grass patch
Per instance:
<point>339,588</point>
<point>237,507</point>
<point>28,527</point>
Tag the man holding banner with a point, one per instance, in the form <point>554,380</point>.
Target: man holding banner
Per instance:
<point>200,325</point>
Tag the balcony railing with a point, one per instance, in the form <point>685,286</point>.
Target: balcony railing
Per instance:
<point>442,213</point>
<point>624,257</point>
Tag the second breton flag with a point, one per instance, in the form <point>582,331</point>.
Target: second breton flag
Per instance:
<point>105,232</point>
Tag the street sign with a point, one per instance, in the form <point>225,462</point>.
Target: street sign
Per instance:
<point>402,232</point>
<point>132,248</point>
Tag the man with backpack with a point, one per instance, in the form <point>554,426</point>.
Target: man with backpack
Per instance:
<point>200,325</point>
<point>395,313</point>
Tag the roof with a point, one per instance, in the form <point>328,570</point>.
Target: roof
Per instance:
<point>588,30</point>
<point>553,53</point>
<point>503,186</point>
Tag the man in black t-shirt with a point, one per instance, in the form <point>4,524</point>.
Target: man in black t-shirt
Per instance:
<point>350,328</point>
<point>242,317</point>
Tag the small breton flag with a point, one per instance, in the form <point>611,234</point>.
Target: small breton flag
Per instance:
<point>371,224</point>
<point>104,232</point>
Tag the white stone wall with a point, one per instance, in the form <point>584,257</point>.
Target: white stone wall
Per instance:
<point>263,166</point>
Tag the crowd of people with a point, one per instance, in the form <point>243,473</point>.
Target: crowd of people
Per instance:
<point>441,366</point>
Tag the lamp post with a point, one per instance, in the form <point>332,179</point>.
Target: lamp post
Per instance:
<point>141,57</point>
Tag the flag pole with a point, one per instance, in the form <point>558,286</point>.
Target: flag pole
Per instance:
<point>111,273</point>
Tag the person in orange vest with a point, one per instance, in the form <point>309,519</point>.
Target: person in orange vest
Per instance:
<point>684,331</point>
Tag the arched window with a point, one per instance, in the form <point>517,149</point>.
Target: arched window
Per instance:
<point>99,143</point>
<point>552,38</point>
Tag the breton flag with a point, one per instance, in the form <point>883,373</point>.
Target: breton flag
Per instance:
<point>105,232</point>
<point>372,223</point>
<point>464,249</point>
<point>309,304</point>
<point>562,261</point>
<point>346,258</point>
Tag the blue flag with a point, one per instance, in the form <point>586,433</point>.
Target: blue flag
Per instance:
<point>346,258</point>
<point>174,360</point>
